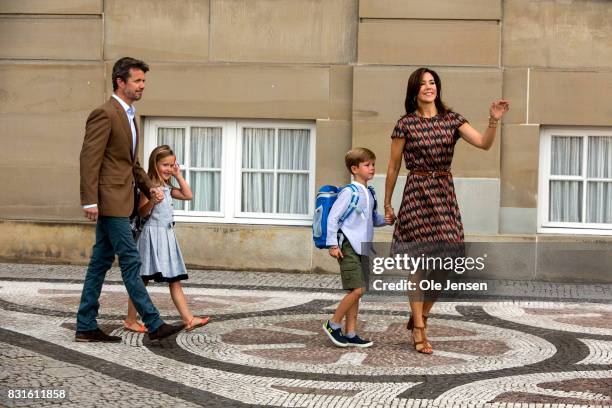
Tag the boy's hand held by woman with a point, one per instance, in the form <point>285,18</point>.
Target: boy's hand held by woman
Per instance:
<point>389,215</point>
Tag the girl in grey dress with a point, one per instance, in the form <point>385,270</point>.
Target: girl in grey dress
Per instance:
<point>160,254</point>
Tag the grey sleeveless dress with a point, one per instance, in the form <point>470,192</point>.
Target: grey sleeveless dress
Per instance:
<point>161,256</point>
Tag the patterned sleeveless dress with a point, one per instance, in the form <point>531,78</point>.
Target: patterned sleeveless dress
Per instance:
<point>429,210</point>
<point>160,254</point>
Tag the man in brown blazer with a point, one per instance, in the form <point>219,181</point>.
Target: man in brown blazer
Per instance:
<point>109,173</point>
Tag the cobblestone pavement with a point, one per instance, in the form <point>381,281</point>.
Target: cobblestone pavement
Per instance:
<point>537,345</point>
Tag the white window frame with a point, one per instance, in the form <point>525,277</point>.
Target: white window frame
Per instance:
<point>276,125</point>
<point>231,165</point>
<point>575,228</point>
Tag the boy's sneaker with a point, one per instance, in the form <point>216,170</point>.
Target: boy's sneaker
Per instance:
<point>335,335</point>
<point>357,341</point>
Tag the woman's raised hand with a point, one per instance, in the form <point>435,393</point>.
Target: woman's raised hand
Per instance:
<point>498,108</point>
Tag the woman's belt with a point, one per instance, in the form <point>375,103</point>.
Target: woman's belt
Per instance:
<point>431,173</point>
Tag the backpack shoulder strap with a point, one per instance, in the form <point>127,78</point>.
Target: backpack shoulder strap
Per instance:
<point>373,195</point>
<point>352,204</point>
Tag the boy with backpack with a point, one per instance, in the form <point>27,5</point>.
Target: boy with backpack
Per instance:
<point>350,222</point>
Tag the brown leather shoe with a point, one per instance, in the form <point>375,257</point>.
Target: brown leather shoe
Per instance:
<point>96,335</point>
<point>165,330</point>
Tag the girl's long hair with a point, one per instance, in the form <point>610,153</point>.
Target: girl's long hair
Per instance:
<point>159,153</point>
<point>412,91</point>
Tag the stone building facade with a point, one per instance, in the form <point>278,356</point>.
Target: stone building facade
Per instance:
<point>329,73</point>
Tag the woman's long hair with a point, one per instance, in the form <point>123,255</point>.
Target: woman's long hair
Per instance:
<point>159,153</point>
<point>412,91</point>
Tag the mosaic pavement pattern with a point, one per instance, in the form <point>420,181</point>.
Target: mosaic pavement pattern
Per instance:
<point>265,347</point>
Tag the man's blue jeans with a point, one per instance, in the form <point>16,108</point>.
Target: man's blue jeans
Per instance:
<point>114,236</point>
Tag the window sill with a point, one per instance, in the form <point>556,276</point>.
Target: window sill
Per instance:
<point>243,221</point>
<point>574,231</point>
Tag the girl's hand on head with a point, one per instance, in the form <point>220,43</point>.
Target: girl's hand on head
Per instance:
<point>176,170</point>
<point>498,108</point>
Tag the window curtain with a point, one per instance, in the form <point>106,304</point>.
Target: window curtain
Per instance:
<point>566,156</point>
<point>175,138</point>
<point>258,149</point>
<point>206,153</point>
<point>565,201</point>
<point>293,154</point>
<point>257,154</point>
<point>599,193</point>
<point>566,196</point>
<point>289,155</point>
<point>293,149</point>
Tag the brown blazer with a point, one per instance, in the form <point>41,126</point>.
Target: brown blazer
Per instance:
<point>108,171</point>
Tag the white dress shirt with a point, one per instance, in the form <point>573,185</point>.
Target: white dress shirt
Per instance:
<point>359,226</point>
<point>131,114</point>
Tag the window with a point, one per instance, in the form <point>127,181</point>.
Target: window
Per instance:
<point>241,171</point>
<point>576,181</point>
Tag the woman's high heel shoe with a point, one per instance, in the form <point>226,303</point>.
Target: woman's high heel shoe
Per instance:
<point>410,324</point>
<point>423,345</point>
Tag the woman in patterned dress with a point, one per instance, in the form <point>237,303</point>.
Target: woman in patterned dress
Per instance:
<point>426,138</point>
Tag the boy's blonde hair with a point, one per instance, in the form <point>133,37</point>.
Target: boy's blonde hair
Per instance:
<point>356,156</point>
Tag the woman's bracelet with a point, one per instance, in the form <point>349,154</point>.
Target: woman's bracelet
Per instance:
<point>493,122</point>
<point>388,206</point>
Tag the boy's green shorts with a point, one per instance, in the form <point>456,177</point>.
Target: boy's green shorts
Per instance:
<point>350,267</point>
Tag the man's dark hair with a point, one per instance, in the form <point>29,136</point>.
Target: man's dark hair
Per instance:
<point>122,67</point>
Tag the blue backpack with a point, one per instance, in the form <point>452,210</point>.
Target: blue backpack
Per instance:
<point>326,197</point>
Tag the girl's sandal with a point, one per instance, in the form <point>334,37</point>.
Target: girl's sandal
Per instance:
<point>410,324</point>
<point>190,326</point>
<point>129,327</point>
<point>422,346</point>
